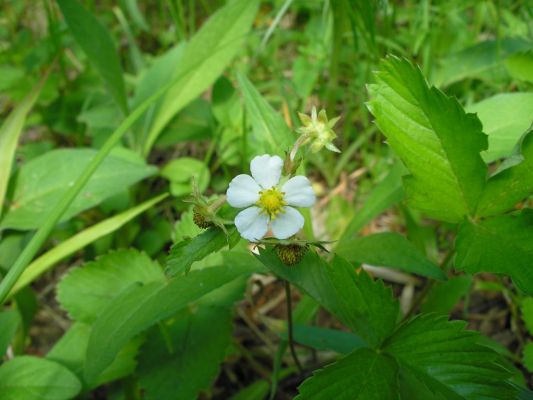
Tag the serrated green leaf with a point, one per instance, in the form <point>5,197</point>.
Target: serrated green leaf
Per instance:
<point>86,291</point>
<point>389,249</point>
<point>504,133</point>
<point>512,184</point>
<point>182,356</point>
<point>139,307</point>
<point>97,43</point>
<point>70,351</point>
<point>43,182</point>
<point>364,375</point>
<point>445,295</point>
<point>183,254</point>
<point>449,360</point>
<point>270,133</point>
<point>32,378</point>
<point>365,306</point>
<point>502,245</point>
<point>437,141</point>
<point>204,58</point>
<point>9,322</point>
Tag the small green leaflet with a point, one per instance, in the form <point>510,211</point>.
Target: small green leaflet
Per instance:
<point>512,184</point>
<point>43,182</point>
<point>9,322</point>
<point>436,140</point>
<point>33,378</point>
<point>389,249</point>
<point>85,291</point>
<point>501,244</point>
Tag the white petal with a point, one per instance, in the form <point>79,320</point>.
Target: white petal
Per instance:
<point>298,192</point>
<point>287,224</point>
<point>251,224</point>
<point>266,170</point>
<point>243,191</point>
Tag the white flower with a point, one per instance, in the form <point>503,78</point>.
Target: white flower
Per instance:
<point>269,200</point>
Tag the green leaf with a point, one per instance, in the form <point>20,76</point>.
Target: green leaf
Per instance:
<point>325,339</point>
<point>389,249</point>
<point>71,349</point>
<point>479,61</point>
<point>182,356</point>
<point>449,360</point>
<point>86,291</point>
<point>141,306</point>
<point>528,356</point>
<point>437,141</point>
<point>32,378</point>
<point>9,322</point>
<point>270,132</point>
<point>445,295</point>
<point>204,58</point>
<point>502,245</point>
<point>504,133</point>
<point>43,182</point>
<point>9,137</point>
<point>183,254</point>
<point>364,375</point>
<point>98,45</point>
<point>512,183</point>
<point>520,66</point>
<point>527,313</point>
<point>180,173</point>
<point>79,241</point>
<point>365,306</point>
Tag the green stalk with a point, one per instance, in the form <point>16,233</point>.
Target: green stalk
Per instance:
<point>42,233</point>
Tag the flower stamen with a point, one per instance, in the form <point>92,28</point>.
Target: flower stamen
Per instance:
<point>271,202</point>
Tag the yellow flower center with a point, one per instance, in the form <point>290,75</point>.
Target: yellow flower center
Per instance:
<point>271,202</point>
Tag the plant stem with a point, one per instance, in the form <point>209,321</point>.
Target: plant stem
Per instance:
<point>289,326</point>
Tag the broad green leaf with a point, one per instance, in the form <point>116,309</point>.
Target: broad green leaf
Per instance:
<point>270,132</point>
<point>527,313</point>
<point>385,194</point>
<point>86,291</point>
<point>445,295</point>
<point>204,58</point>
<point>363,305</point>
<point>182,171</point>
<point>98,45</point>
<point>449,360</point>
<point>9,137</point>
<point>520,66</point>
<point>9,322</point>
<point>42,183</point>
<point>141,306</point>
<point>71,349</point>
<point>182,356</point>
<point>478,61</point>
<point>326,339</point>
<point>436,140</point>
<point>502,245</point>
<point>528,356</point>
<point>504,133</point>
<point>363,374</point>
<point>512,183</point>
<point>183,254</point>
<point>32,378</point>
<point>79,241</point>
<point>389,249</point>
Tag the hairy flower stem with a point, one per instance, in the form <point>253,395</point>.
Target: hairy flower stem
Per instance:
<point>289,326</point>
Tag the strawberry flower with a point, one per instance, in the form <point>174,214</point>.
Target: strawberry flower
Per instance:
<point>268,200</point>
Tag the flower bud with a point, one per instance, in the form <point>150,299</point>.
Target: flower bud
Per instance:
<point>318,130</point>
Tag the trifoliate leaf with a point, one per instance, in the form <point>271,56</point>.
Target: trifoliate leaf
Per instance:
<point>436,140</point>
<point>501,245</point>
